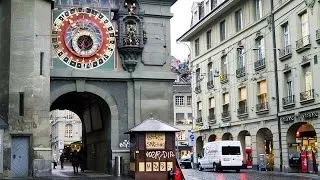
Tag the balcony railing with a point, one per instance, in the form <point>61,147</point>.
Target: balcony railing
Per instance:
<point>225,114</point>
<point>210,84</point>
<point>285,53</point>
<point>288,101</point>
<point>197,89</point>
<point>241,72</point>
<point>260,64</point>
<point>223,78</point>
<point>303,44</point>
<point>211,117</point>
<point>199,120</point>
<point>318,35</point>
<point>307,95</point>
<point>262,106</point>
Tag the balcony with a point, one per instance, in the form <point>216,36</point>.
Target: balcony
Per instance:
<point>199,120</point>
<point>285,53</point>
<point>212,119</point>
<point>260,64</point>
<point>288,102</point>
<point>307,97</point>
<point>223,78</point>
<point>262,108</point>
<point>318,36</point>
<point>303,44</point>
<point>243,110</point>
<point>210,84</point>
<point>225,116</point>
<point>197,89</point>
<point>241,72</point>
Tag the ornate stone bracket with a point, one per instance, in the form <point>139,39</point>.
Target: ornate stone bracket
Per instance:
<point>310,4</point>
<point>130,56</point>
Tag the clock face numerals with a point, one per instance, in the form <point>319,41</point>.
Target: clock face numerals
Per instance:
<point>83,38</point>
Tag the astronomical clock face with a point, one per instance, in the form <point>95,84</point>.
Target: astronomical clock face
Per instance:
<point>83,38</point>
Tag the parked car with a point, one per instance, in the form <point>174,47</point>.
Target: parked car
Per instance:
<point>221,155</point>
<point>185,163</point>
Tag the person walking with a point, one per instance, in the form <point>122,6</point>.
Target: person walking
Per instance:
<point>62,160</point>
<point>75,162</point>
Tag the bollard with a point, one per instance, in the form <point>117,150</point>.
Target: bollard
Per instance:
<point>118,166</point>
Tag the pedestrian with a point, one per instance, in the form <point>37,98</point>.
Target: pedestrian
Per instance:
<point>75,162</point>
<point>62,160</point>
<point>54,161</point>
<point>82,159</point>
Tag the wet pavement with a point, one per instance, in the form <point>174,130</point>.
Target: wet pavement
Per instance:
<point>193,174</point>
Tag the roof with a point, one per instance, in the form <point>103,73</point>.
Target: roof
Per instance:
<point>153,125</point>
<point>3,123</point>
<point>208,19</point>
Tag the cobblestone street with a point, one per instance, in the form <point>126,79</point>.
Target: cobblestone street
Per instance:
<point>192,174</point>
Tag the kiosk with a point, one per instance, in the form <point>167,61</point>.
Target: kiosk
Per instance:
<point>152,150</point>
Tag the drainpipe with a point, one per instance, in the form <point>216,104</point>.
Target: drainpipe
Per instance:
<point>276,79</point>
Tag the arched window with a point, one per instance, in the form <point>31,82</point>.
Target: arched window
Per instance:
<point>68,131</point>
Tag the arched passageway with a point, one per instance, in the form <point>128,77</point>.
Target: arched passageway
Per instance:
<point>212,138</point>
<point>265,147</point>
<point>95,115</point>
<point>302,138</point>
<point>245,139</point>
<point>199,146</point>
<point>227,136</point>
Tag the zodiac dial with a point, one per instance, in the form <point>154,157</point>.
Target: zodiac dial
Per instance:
<point>83,38</point>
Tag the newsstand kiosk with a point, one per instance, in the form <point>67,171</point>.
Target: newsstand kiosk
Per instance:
<point>152,150</point>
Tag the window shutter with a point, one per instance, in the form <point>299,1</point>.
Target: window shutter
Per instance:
<point>263,87</point>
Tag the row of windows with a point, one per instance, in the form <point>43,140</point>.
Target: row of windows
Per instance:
<point>180,100</point>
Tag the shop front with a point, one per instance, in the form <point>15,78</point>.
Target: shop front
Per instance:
<point>302,148</point>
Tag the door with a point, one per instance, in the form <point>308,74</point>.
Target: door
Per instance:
<point>19,156</point>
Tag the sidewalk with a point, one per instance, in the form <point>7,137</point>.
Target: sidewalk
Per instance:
<point>305,175</point>
<point>67,173</point>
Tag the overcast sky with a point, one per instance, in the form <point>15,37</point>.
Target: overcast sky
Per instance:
<point>180,23</point>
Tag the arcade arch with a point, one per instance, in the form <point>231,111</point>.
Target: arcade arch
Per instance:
<point>96,118</point>
<point>227,136</point>
<point>245,139</point>
<point>301,137</point>
<point>199,146</point>
<point>212,138</point>
<point>265,147</point>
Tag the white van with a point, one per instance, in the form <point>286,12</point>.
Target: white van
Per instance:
<point>221,155</point>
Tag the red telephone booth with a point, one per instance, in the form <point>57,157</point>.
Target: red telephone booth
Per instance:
<point>304,164</point>
<point>248,157</point>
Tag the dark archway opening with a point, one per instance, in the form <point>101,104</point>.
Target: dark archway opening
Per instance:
<point>265,147</point>
<point>302,137</point>
<point>212,138</point>
<point>227,136</point>
<point>95,115</point>
<point>199,146</point>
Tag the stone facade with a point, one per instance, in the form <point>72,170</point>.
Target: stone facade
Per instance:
<point>109,100</point>
<point>234,94</point>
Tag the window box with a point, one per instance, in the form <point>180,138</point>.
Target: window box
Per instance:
<point>199,121</point>
<point>223,78</point>
<point>212,119</point>
<point>303,44</point>
<point>307,97</point>
<point>197,89</point>
<point>243,110</point>
<point>285,53</point>
<point>288,102</point>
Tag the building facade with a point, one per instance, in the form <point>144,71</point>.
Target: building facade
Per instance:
<point>182,108</point>
<point>66,132</point>
<point>107,61</point>
<point>235,96</point>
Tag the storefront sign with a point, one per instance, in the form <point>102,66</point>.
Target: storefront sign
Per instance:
<point>310,115</point>
<point>155,166</point>
<point>158,155</point>
<point>155,140</point>
<point>287,119</point>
